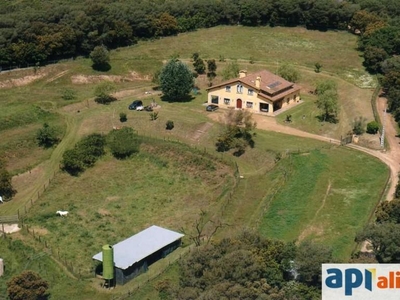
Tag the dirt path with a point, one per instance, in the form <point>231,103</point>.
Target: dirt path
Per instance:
<point>390,157</point>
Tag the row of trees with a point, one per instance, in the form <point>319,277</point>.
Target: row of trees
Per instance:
<point>379,31</point>
<point>33,33</point>
<point>249,267</point>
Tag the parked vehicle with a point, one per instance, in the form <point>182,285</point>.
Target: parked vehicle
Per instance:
<point>139,108</point>
<point>212,107</point>
<point>135,104</point>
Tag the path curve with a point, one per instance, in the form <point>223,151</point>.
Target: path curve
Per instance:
<point>391,156</point>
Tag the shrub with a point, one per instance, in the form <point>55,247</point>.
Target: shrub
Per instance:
<point>68,94</point>
<point>169,125</point>
<point>103,92</point>
<point>372,127</point>
<point>318,67</point>
<point>27,285</point>
<point>359,125</point>
<point>123,143</point>
<point>84,155</point>
<point>122,117</point>
<point>47,136</point>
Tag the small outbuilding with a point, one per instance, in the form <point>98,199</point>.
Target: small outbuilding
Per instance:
<point>133,255</point>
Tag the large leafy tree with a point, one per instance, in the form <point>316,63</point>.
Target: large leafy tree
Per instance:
<point>327,100</point>
<point>27,286</point>
<point>309,258</point>
<point>100,58</point>
<point>289,72</point>
<point>176,80</point>
<point>6,189</point>
<point>388,211</point>
<point>237,133</point>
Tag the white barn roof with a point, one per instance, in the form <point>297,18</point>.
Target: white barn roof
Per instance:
<point>141,245</point>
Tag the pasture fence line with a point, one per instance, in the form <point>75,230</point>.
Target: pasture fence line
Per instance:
<point>55,253</point>
<point>34,65</point>
<point>23,210</point>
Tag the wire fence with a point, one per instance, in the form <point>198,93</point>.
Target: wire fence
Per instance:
<point>8,68</point>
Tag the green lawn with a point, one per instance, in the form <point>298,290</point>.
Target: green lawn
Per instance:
<point>328,196</point>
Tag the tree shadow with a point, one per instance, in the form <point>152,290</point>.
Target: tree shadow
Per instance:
<point>328,119</point>
<point>102,67</point>
<point>186,98</point>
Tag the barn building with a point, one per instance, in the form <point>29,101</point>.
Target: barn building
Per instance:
<point>133,255</point>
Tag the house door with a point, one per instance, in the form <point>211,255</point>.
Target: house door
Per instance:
<point>239,103</point>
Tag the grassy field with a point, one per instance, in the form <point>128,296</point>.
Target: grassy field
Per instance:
<point>165,184</point>
<point>326,195</point>
<point>325,192</point>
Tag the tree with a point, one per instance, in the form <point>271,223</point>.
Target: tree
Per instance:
<point>84,155</point>
<point>231,71</point>
<point>237,133</point>
<point>397,192</point>
<point>165,25</point>
<point>123,142</point>
<point>359,125</point>
<point>47,136</point>
<point>366,22</point>
<point>27,286</point>
<point>317,67</point>
<point>308,261</point>
<point>388,211</point>
<point>169,125</point>
<point>384,239</point>
<point>373,58</point>
<point>103,92</point>
<point>100,58</point>
<point>176,80</point>
<point>6,189</point>
<point>372,127</point>
<point>198,64</point>
<point>288,72</point>
<point>211,70</point>
<point>324,86</point>
<point>327,100</point>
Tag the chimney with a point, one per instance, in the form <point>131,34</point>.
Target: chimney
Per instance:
<point>258,82</point>
<point>242,73</point>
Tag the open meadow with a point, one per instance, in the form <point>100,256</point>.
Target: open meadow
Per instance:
<point>291,187</point>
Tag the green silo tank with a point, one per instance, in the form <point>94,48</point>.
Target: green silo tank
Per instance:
<point>108,262</point>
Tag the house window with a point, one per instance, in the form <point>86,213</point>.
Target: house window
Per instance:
<point>239,89</point>
<point>250,92</point>
<point>214,99</point>
<point>249,104</point>
<point>228,88</point>
<point>227,101</point>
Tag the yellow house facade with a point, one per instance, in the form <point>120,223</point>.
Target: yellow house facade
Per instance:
<point>260,92</point>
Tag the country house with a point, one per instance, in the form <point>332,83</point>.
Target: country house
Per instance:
<point>260,92</point>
